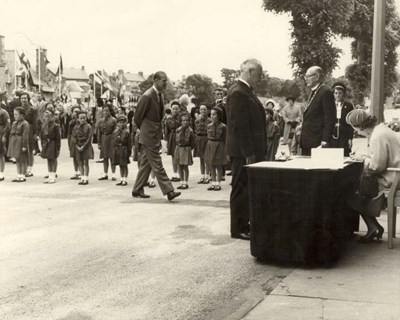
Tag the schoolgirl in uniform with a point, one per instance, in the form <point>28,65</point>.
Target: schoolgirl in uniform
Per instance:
<point>172,123</point>
<point>4,129</point>
<point>18,146</point>
<point>50,137</point>
<point>71,142</point>
<point>185,141</point>
<point>200,130</point>
<point>122,148</point>
<point>82,140</point>
<point>215,154</point>
<point>107,125</point>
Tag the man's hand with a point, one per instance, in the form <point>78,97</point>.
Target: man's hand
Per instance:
<point>251,159</point>
<point>324,144</point>
<point>23,149</point>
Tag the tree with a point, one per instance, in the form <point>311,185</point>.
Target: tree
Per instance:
<point>146,84</point>
<point>229,75</point>
<point>359,73</point>
<point>202,87</point>
<point>314,24</point>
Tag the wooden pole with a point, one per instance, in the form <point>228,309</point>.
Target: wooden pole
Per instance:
<point>378,58</point>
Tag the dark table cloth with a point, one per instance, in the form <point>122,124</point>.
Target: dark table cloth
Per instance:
<point>299,215</point>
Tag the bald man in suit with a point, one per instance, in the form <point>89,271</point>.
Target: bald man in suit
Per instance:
<point>320,114</point>
<point>246,141</point>
<point>148,116</point>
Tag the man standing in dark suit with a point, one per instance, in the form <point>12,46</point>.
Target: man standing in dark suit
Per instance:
<point>246,141</point>
<point>342,136</point>
<point>320,113</point>
<point>148,117</point>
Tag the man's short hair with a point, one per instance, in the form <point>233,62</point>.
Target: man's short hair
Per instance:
<point>250,64</point>
<point>158,75</point>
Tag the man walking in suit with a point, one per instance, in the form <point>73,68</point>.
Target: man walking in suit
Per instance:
<point>320,113</point>
<point>246,141</point>
<point>342,136</point>
<point>148,116</point>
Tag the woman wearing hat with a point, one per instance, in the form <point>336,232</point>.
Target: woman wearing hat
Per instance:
<point>384,149</point>
<point>291,115</point>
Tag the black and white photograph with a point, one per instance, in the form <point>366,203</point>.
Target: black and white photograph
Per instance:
<point>199,160</point>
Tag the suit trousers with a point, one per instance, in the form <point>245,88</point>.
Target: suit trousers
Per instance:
<point>150,159</point>
<point>239,199</point>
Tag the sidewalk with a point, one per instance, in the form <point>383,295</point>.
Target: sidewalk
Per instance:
<point>364,284</point>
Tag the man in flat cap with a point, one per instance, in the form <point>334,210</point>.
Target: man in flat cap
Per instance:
<point>342,136</point>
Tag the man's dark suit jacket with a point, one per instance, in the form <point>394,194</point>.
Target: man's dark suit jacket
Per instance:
<point>148,118</point>
<point>246,128</point>
<point>318,119</point>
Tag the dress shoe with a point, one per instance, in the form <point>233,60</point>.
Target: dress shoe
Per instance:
<point>83,182</point>
<point>243,236</point>
<point>76,177</point>
<point>175,179</point>
<point>152,184</point>
<point>140,194</point>
<point>29,174</point>
<point>370,236</point>
<point>2,179</point>
<point>103,178</point>
<point>124,183</point>
<point>217,188</point>
<point>172,195</point>
<point>201,181</point>
<point>119,183</point>
<point>229,173</point>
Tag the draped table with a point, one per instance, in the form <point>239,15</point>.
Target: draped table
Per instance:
<point>299,211</point>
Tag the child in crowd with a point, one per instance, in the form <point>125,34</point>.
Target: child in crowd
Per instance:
<point>71,143</point>
<point>172,124</point>
<point>185,141</point>
<point>106,128</point>
<point>122,148</point>
<point>82,140</point>
<point>4,129</point>
<point>273,134</point>
<point>50,137</point>
<point>200,129</point>
<point>19,142</point>
<point>215,154</point>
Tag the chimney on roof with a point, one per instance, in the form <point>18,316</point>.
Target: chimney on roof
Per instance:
<point>140,73</point>
<point>83,68</point>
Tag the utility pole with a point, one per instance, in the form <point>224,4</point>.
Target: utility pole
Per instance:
<point>378,59</point>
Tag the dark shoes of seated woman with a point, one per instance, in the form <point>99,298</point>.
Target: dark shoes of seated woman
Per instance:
<point>371,235</point>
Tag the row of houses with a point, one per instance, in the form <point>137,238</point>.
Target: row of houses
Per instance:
<point>74,83</point>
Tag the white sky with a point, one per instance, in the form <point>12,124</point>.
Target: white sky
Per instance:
<point>181,37</point>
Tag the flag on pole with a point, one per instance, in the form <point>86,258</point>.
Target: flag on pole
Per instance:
<point>60,69</point>
<point>97,77</point>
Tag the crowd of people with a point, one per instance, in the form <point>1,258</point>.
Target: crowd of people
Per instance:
<point>232,132</point>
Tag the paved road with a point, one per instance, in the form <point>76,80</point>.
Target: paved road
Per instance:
<point>72,252</point>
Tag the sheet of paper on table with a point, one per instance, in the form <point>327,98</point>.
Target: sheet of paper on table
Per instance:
<point>333,159</point>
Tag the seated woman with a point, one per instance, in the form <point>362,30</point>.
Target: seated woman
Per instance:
<point>384,147</point>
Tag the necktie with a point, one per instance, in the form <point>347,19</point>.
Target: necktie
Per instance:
<point>160,100</point>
